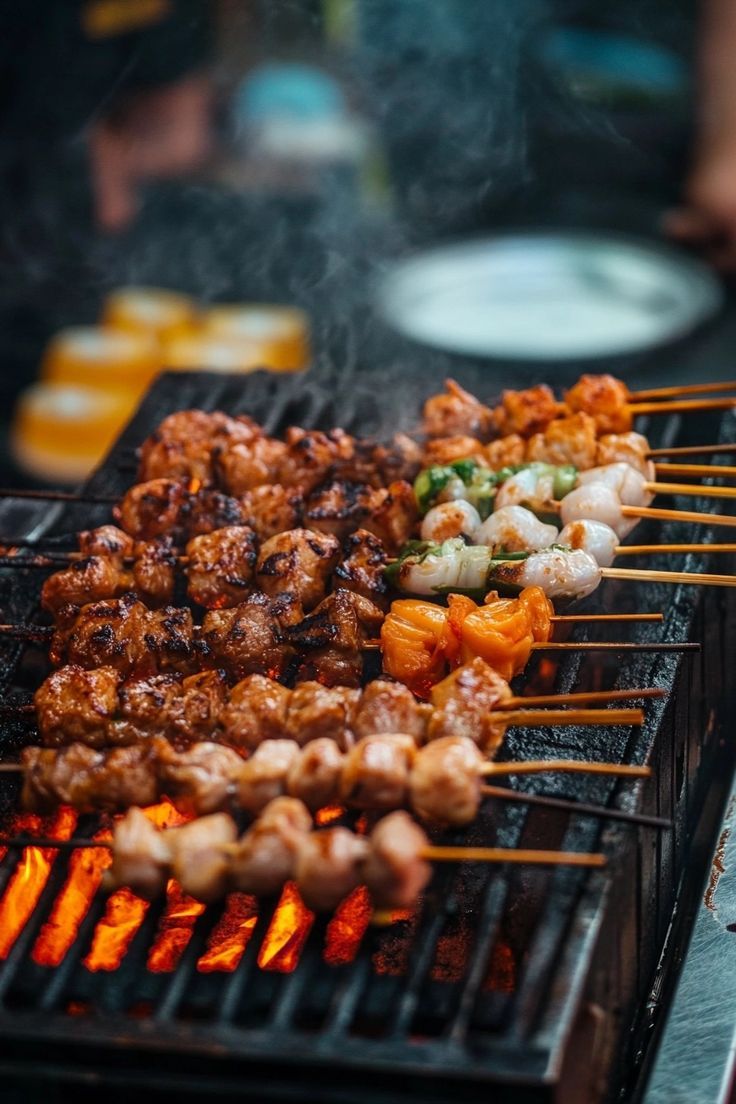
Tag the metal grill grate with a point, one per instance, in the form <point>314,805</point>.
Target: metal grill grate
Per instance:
<point>493,983</point>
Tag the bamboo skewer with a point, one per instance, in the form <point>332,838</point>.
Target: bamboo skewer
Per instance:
<point>59,496</point>
<point>564,766</point>
<point>577,808</point>
<point>695,469</point>
<point>693,490</point>
<point>648,576</point>
<point>647,549</point>
<point>512,855</point>
<point>693,450</point>
<point>661,514</point>
<point>681,406</point>
<point>579,697</point>
<point>563,718</point>
<point>681,389</point>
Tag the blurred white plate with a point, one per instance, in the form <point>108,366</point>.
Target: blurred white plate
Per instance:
<point>548,296</point>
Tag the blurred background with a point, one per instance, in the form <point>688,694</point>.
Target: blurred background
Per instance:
<point>224,184</point>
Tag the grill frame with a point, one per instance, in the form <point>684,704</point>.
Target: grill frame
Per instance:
<point>573,950</point>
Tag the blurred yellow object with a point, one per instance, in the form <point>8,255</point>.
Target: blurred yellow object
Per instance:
<point>155,311</point>
<point>212,353</point>
<point>280,333</point>
<point>92,356</point>
<point>61,432</point>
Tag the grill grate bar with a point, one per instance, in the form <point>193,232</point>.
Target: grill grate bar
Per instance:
<point>243,973</point>
<point>53,992</point>
<point>350,988</point>
<point>118,995</point>
<point>17,953</point>
<point>175,990</point>
<point>293,985</point>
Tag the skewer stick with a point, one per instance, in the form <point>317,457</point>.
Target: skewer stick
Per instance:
<point>646,549</point>
<point>693,450</point>
<point>563,718</point>
<point>577,808</point>
<point>681,406</point>
<point>59,496</point>
<point>678,515</point>
<point>580,697</point>
<point>695,469</point>
<point>694,490</point>
<point>512,855</point>
<point>615,646</point>
<point>565,766</point>
<point>681,389</point>
<point>585,618</point>
<point>648,576</point>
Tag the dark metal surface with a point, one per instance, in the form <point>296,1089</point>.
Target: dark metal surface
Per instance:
<point>581,950</point>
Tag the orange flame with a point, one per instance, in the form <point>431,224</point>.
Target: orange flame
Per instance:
<point>231,935</point>
<point>347,928</point>
<point>194,485</point>
<point>287,932</point>
<point>328,814</point>
<point>175,929</point>
<point>86,868</point>
<point>30,875</point>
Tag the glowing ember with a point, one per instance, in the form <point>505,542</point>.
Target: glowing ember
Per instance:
<point>175,929</point>
<point>125,912</point>
<point>286,933</point>
<point>393,955</point>
<point>329,814</point>
<point>194,485</point>
<point>30,875</point>
<point>347,928</point>
<point>86,868</point>
<point>501,976</point>
<point>231,935</point>
<point>451,955</point>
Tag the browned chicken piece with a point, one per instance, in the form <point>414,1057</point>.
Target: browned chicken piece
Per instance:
<point>444,787</point>
<point>153,509</point>
<point>220,568</point>
<point>440,451</point>
<point>361,567</point>
<point>314,776</point>
<point>505,452</point>
<point>105,540</point>
<point>181,447</point>
<point>263,776</point>
<point>209,510</point>
<point>334,635</point>
<point>141,858</point>
<point>338,507</point>
<point>570,440</point>
<point>263,859</point>
<point>199,780</point>
<point>390,707</point>
<point>316,710</point>
<point>201,855</point>
<point>527,412</point>
<point>273,509</point>
<point>398,459</point>
<point>255,711</point>
<point>101,634</point>
<point>169,640</point>
<point>629,448</point>
<point>297,562</point>
<point>455,412</point>
<point>394,870</point>
<point>462,703</point>
<point>376,772</point>
<point>87,779</point>
<point>243,466</point>
<point>311,456</point>
<point>183,711</point>
<point>606,399</point>
<point>252,638</point>
<point>77,705</point>
<point>393,515</point>
<point>154,571</point>
<point>327,867</point>
<point>85,581</point>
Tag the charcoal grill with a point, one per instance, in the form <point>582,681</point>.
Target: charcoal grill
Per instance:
<point>524,984</point>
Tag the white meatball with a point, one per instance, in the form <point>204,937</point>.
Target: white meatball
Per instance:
<point>627,482</point>
<point>450,519</point>
<point>595,538</point>
<point>593,502</point>
<point>515,529</point>
<point>527,486</point>
<point>572,574</point>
